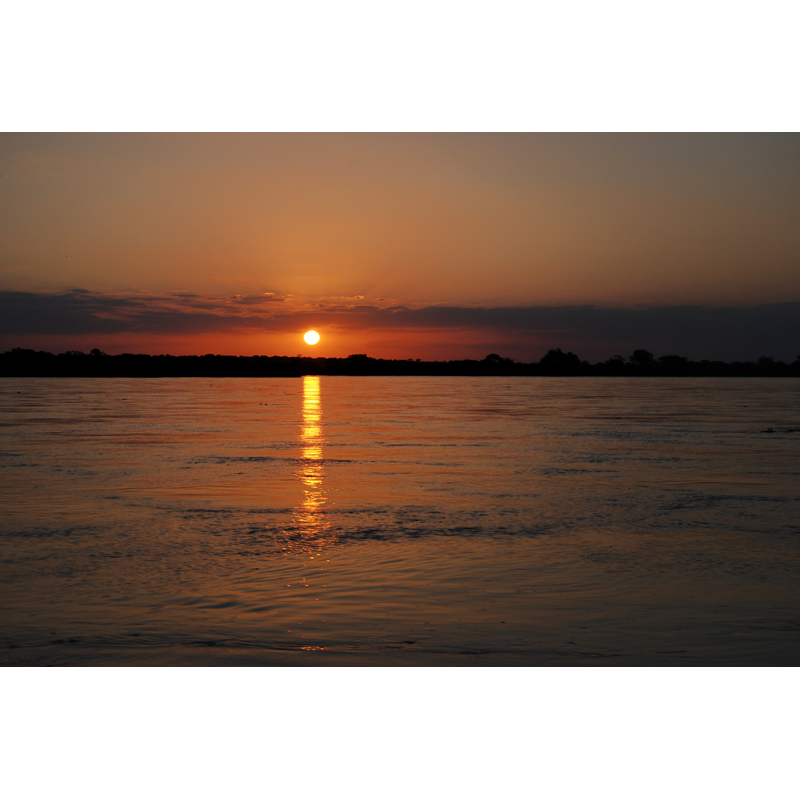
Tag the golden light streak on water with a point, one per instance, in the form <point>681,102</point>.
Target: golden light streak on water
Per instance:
<point>308,521</point>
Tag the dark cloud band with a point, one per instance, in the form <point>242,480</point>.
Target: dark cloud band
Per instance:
<point>730,333</point>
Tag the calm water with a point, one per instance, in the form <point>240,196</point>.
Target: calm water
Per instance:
<point>342,520</point>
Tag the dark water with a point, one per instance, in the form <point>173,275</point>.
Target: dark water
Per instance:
<point>342,520</point>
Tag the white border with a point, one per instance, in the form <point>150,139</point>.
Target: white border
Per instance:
<point>399,733</point>
<point>416,65</point>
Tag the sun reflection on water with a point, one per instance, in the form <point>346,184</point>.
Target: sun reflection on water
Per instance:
<point>309,524</point>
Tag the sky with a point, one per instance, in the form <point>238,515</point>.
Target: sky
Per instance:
<point>402,245</point>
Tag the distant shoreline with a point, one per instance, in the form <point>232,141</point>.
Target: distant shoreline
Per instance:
<point>21,363</point>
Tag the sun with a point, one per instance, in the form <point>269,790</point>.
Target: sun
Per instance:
<point>311,337</point>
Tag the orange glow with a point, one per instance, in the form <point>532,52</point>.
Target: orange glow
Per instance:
<point>232,244</point>
<point>442,344</point>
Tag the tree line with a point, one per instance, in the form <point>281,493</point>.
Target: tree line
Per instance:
<point>30,363</point>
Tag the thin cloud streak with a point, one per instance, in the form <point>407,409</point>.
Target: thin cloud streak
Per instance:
<point>733,332</point>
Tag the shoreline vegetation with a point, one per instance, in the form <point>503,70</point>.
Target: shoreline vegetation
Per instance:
<point>20,363</point>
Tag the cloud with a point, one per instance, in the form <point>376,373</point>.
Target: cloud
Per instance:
<point>80,311</point>
<point>733,332</point>
<point>256,299</point>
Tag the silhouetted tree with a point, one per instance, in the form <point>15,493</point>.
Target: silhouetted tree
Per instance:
<point>614,365</point>
<point>673,365</point>
<point>642,358</point>
<point>556,361</point>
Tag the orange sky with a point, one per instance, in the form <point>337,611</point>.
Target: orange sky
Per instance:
<point>325,221</point>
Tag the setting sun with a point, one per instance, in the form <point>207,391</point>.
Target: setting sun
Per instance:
<point>311,337</point>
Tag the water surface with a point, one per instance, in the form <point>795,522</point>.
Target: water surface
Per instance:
<point>419,521</point>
